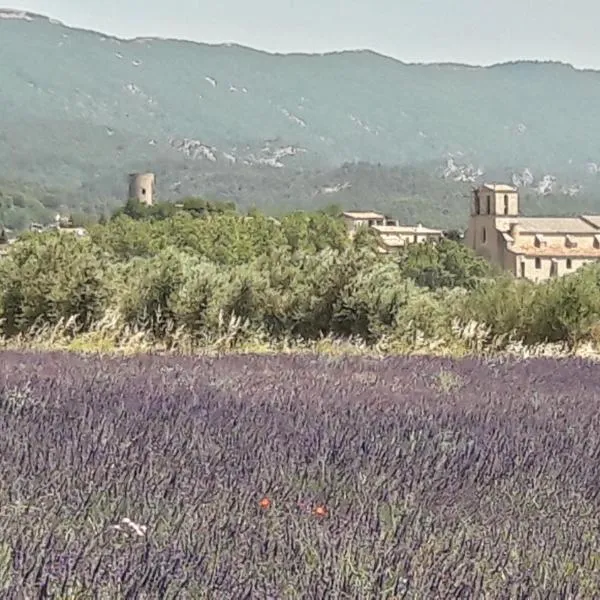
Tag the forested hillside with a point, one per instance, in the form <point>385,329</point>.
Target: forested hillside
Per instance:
<point>81,109</point>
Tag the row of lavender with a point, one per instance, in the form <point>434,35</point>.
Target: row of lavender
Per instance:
<point>296,477</point>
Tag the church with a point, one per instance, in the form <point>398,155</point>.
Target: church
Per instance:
<point>533,248</point>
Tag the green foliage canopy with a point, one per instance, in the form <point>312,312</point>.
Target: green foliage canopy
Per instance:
<point>198,272</point>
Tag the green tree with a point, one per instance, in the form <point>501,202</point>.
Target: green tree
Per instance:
<point>50,277</point>
<point>565,309</point>
<point>446,264</point>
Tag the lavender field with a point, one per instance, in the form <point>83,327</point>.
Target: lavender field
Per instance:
<point>298,477</point>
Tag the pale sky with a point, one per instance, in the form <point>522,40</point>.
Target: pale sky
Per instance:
<point>467,31</point>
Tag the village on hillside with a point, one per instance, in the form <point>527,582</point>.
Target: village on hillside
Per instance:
<point>534,248</point>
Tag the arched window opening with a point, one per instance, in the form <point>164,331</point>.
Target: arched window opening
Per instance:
<point>476,202</point>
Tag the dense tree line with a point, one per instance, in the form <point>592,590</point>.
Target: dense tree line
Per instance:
<point>207,272</point>
<point>411,193</point>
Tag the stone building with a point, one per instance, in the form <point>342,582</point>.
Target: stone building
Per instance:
<point>356,219</point>
<point>141,187</point>
<point>534,248</point>
<point>390,234</point>
<point>393,235</point>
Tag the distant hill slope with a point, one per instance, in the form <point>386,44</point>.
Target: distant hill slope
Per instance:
<point>79,109</point>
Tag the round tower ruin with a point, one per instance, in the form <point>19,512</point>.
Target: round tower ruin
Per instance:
<point>141,187</point>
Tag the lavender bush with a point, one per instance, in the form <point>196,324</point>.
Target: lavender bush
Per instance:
<point>298,477</point>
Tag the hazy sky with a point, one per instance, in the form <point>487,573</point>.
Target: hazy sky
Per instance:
<point>471,31</point>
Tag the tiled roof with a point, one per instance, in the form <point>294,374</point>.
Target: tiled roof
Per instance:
<point>399,230</point>
<point>363,215</point>
<point>555,225</point>
<point>564,225</point>
<point>555,251</point>
<point>593,219</point>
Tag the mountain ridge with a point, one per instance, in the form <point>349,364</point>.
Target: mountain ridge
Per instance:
<point>140,39</point>
<point>268,129</point>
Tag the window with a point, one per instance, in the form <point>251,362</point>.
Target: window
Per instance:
<point>476,202</point>
<point>505,204</point>
<point>523,270</point>
<point>483,235</point>
<point>538,263</point>
<point>571,242</point>
<point>143,191</point>
<point>596,242</point>
<point>489,205</point>
<point>569,263</point>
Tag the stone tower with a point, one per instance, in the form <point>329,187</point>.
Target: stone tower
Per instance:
<point>493,208</point>
<point>141,187</point>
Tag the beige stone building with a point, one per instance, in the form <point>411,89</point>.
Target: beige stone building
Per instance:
<point>356,219</point>
<point>390,234</point>
<point>141,187</point>
<point>534,248</point>
<point>394,235</point>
